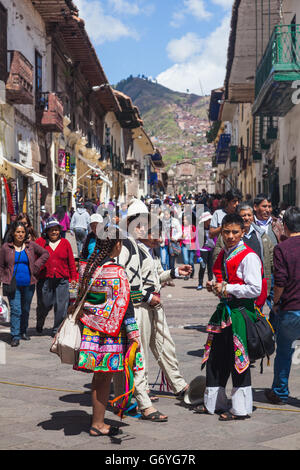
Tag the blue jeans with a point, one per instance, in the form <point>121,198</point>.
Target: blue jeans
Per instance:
<point>288,331</point>
<point>165,258</point>
<point>188,255</point>
<point>19,310</point>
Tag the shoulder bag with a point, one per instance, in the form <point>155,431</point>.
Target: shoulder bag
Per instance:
<point>260,337</point>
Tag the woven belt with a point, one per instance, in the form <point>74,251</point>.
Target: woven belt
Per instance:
<point>136,296</point>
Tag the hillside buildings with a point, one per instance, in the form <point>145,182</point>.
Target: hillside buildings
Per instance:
<point>64,130</point>
<point>255,115</point>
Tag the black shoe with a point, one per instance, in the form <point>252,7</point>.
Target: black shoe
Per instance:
<point>273,398</point>
<point>25,337</point>
<point>14,343</point>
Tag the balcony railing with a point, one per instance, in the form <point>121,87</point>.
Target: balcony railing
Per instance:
<point>49,112</point>
<point>279,66</point>
<point>19,84</point>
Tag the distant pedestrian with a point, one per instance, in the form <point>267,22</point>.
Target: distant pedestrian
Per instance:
<point>20,259</point>
<point>80,225</point>
<point>90,242</point>
<point>25,219</point>
<point>53,285</point>
<point>286,304</point>
<point>206,251</point>
<point>62,216</point>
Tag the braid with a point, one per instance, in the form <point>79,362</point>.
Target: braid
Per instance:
<point>102,250</point>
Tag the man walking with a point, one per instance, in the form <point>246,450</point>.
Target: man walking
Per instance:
<point>79,225</point>
<point>286,304</point>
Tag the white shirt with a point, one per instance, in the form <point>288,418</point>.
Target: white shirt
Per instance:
<point>249,271</point>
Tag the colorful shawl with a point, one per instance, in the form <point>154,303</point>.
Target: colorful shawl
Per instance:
<point>226,314</point>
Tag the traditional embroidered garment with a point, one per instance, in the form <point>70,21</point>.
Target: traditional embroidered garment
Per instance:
<point>227,312</point>
<point>222,265</point>
<point>107,300</point>
<point>109,321</point>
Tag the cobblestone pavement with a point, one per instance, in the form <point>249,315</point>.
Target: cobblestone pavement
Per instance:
<point>46,405</point>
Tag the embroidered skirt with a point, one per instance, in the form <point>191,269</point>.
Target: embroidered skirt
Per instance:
<point>102,353</point>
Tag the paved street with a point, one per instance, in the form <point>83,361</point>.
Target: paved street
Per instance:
<point>52,408</point>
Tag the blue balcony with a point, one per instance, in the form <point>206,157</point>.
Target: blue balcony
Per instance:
<point>223,148</point>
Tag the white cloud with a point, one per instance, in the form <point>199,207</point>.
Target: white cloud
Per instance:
<point>203,69</point>
<point>195,8</point>
<point>124,7</point>
<point>179,50</point>
<point>100,26</point>
<point>224,3</point>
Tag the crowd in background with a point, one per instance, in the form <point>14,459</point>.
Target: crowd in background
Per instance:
<point>47,264</point>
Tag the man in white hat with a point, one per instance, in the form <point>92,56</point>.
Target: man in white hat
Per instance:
<point>154,330</point>
<point>137,219</point>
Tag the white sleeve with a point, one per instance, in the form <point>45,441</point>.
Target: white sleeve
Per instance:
<point>250,271</point>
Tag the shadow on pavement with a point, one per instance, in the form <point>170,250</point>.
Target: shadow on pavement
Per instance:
<point>259,396</point>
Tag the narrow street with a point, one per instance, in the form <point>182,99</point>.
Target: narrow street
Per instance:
<point>52,408</point>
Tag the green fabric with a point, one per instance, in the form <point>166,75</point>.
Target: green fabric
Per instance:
<point>96,298</point>
<point>228,313</point>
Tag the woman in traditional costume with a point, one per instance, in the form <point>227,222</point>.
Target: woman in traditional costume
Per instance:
<point>109,327</point>
<point>238,271</point>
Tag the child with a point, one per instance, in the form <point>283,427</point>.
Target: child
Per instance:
<point>109,325</point>
<point>226,348</point>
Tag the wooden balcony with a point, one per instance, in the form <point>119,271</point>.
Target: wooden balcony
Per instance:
<point>278,68</point>
<point>49,112</point>
<point>19,84</point>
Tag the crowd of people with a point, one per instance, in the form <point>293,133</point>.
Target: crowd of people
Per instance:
<point>125,254</point>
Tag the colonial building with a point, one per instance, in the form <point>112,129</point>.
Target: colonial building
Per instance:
<point>63,129</point>
<point>260,99</point>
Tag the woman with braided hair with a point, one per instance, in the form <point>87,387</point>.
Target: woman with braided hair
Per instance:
<point>109,326</point>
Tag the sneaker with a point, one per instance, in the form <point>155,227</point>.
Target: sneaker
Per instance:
<point>273,398</point>
<point>200,287</point>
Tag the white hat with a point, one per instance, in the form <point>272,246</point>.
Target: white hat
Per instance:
<point>195,393</point>
<point>96,218</point>
<point>205,216</point>
<point>137,207</point>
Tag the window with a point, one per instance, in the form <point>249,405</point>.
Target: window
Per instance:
<point>3,43</point>
<point>38,74</point>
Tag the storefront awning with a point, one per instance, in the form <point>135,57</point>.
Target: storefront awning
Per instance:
<point>96,169</point>
<point>29,172</point>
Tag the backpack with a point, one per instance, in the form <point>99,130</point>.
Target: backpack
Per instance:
<point>260,337</point>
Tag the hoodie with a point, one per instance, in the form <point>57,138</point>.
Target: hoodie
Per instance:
<point>80,219</point>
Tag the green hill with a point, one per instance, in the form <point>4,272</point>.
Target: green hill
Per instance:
<point>176,122</point>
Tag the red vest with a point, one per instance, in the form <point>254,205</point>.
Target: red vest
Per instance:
<point>231,266</point>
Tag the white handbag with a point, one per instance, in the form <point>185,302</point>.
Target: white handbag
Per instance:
<point>67,340</point>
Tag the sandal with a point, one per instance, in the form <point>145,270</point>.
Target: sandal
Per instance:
<point>153,397</point>
<point>156,417</point>
<point>201,410</point>
<point>228,416</point>
<point>113,431</point>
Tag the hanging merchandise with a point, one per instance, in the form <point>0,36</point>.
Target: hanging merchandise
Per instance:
<point>3,209</point>
<point>14,195</point>
<point>68,162</point>
<point>61,159</point>
<point>10,206</point>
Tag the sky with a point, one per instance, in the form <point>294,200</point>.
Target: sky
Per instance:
<point>180,43</point>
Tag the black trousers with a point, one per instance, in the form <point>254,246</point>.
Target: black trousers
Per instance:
<point>220,364</point>
<point>208,259</point>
